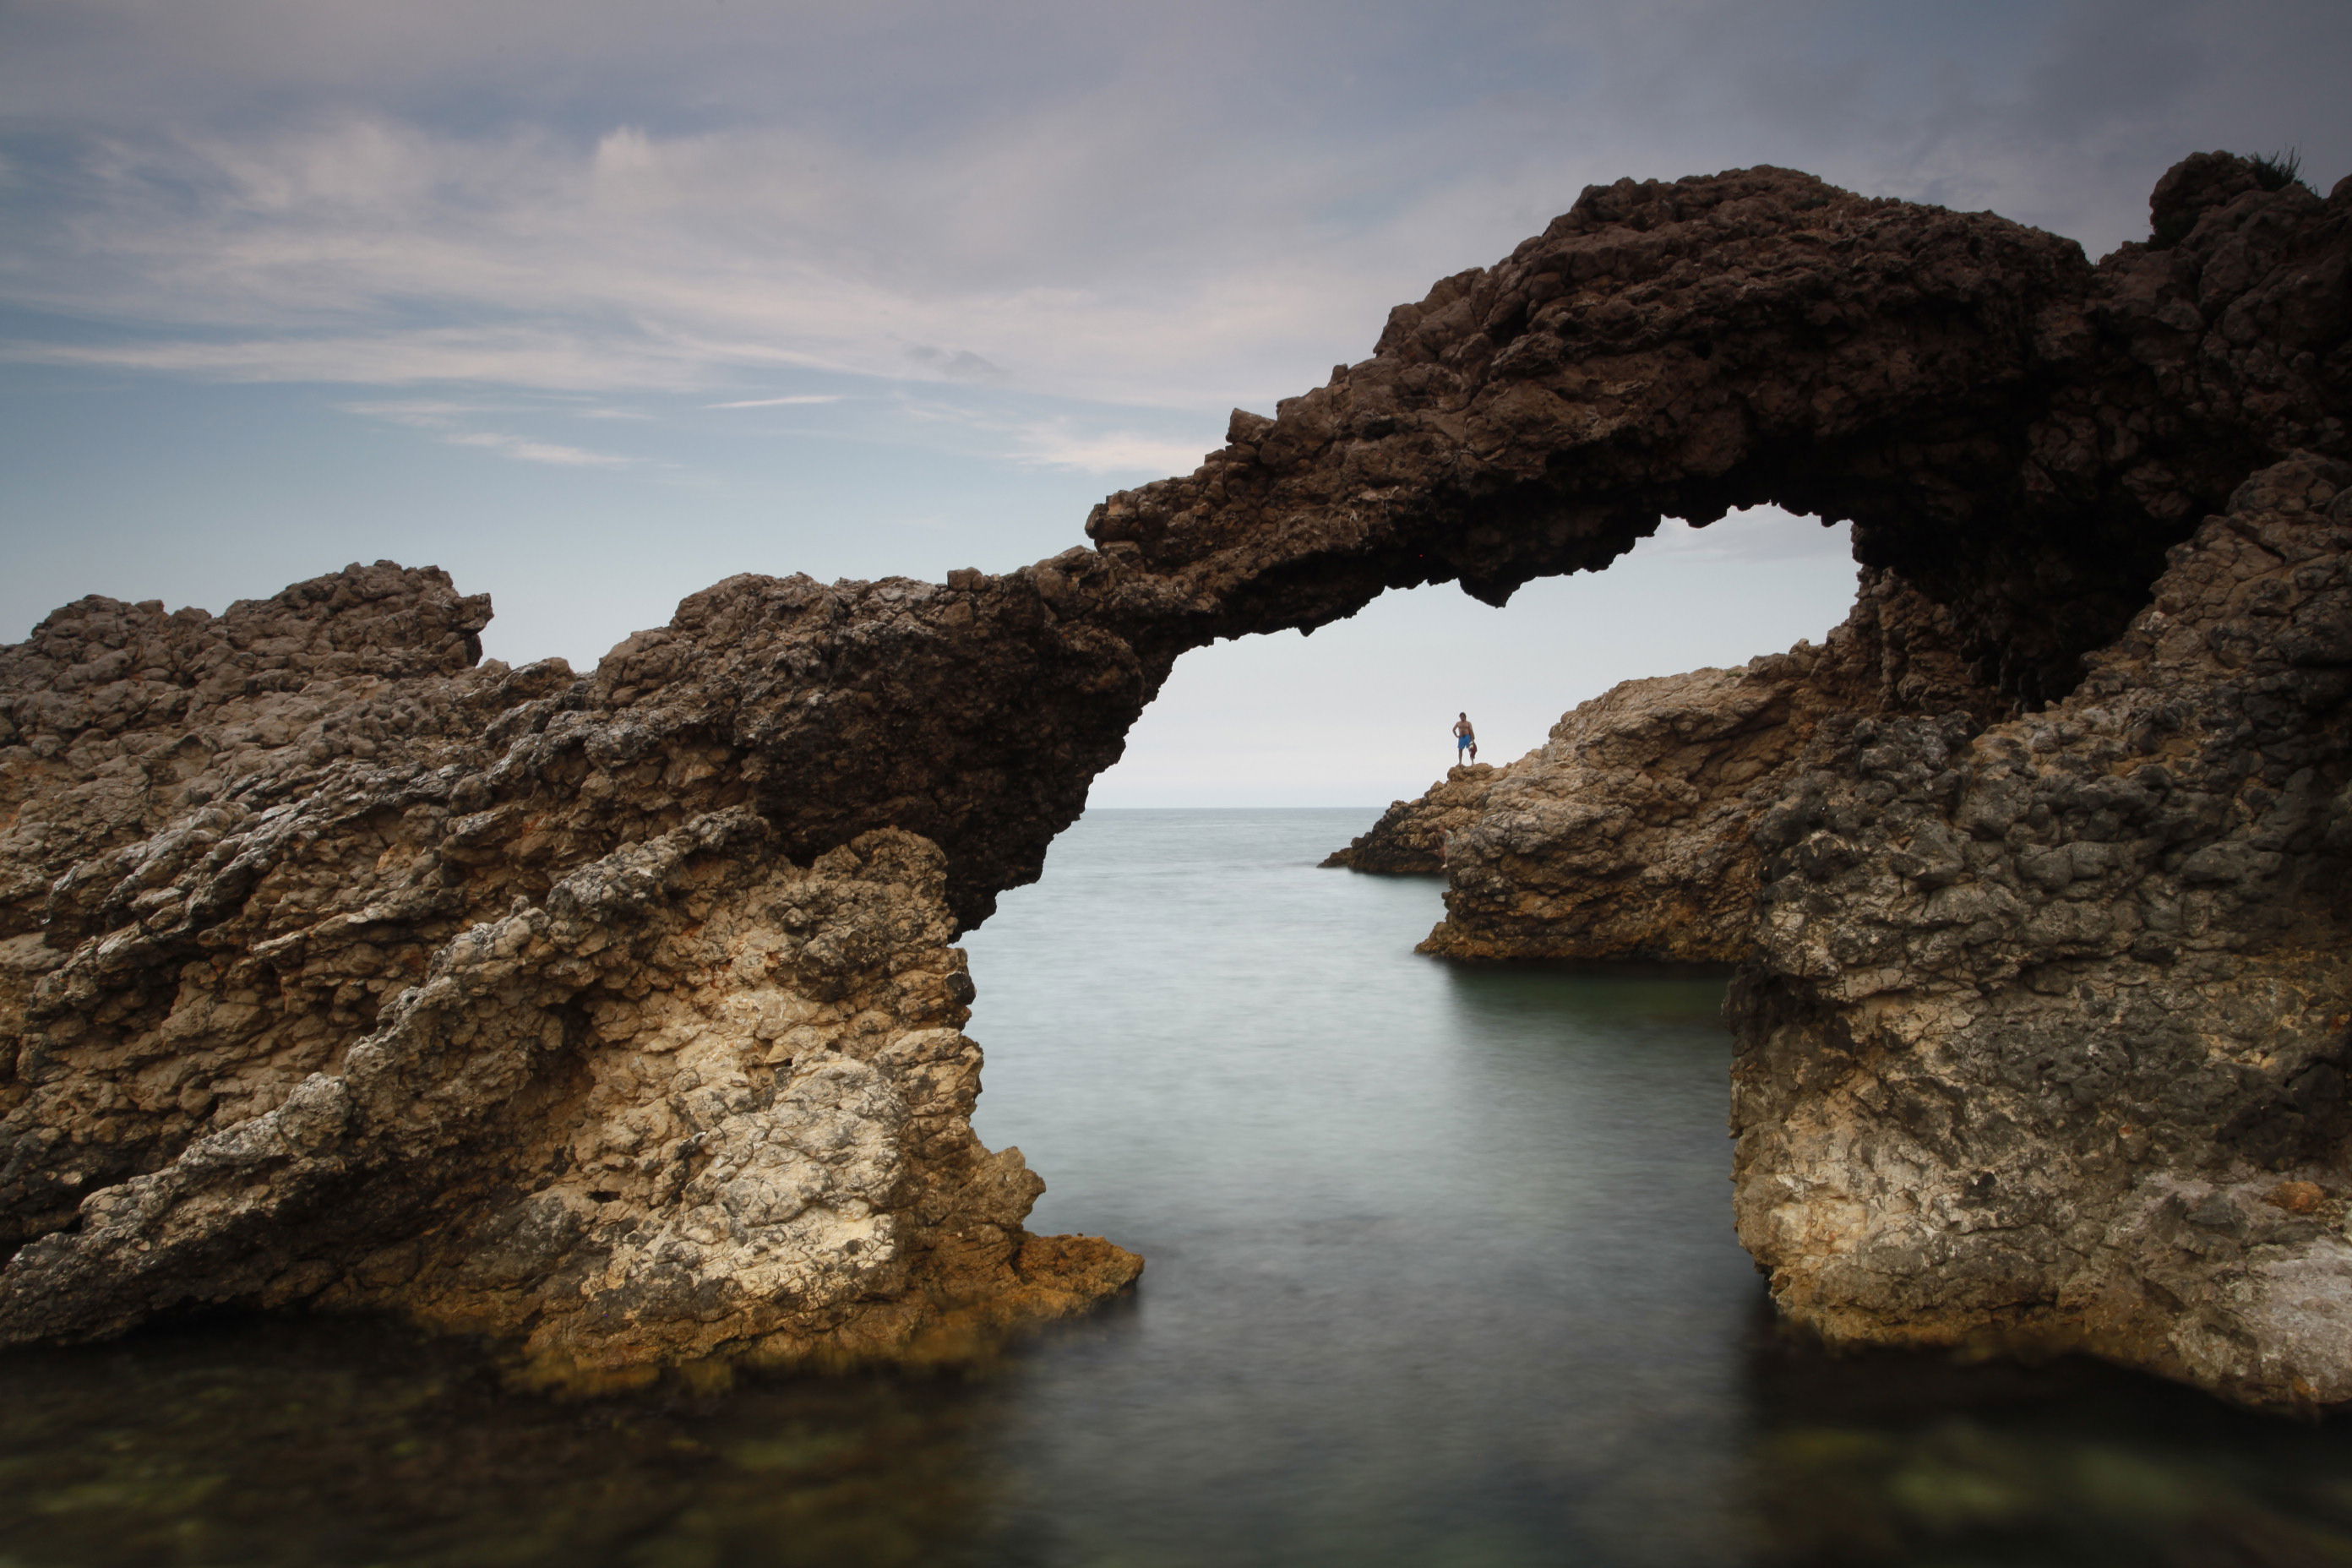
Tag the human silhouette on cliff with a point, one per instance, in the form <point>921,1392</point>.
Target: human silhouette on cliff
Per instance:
<point>1465,738</point>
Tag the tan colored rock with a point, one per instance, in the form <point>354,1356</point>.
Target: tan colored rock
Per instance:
<point>1413,837</point>
<point>426,995</point>
<point>2297,1197</point>
<point>1627,834</point>
<point>335,969</point>
<point>2043,1013</point>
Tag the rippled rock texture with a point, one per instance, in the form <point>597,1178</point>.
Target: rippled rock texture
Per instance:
<point>619,1012</point>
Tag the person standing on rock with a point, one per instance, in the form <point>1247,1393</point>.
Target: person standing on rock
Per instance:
<point>1465,739</point>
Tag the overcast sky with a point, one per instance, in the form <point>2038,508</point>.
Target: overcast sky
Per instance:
<point>594,303</point>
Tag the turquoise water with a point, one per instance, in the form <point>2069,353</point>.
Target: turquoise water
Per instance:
<point>1440,1273</point>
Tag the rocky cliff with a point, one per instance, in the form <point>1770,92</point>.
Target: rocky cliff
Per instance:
<point>1413,838</point>
<point>1629,835</point>
<point>339,970</point>
<point>616,1011</point>
<point>2046,1038</point>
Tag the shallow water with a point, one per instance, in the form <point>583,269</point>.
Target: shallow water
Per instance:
<point>1441,1272</point>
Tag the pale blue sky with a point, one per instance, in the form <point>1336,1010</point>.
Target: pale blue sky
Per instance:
<point>594,303</point>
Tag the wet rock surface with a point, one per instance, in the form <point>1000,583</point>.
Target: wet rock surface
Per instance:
<point>618,1012</point>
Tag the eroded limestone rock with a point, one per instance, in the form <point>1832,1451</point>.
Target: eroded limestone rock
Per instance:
<point>398,985</point>
<point>335,968</point>
<point>2047,1036</point>
<point>1628,835</point>
<point>1413,837</point>
<point>2015,434</point>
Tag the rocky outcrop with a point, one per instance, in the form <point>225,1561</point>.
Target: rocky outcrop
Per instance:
<point>616,1012</point>
<point>2015,434</point>
<point>2047,1037</point>
<point>1626,835</point>
<point>398,985</point>
<point>1629,835</point>
<point>1413,837</point>
<point>2044,1020</point>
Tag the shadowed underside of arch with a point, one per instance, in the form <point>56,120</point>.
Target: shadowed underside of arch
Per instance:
<point>618,1012</point>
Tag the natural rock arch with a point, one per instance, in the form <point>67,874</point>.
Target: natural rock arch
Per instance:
<point>618,1011</point>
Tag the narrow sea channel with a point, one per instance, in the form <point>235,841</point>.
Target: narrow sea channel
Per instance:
<point>1441,1276</point>
<point>1440,1260</point>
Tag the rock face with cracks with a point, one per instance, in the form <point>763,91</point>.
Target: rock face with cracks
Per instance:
<point>1412,838</point>
<point>394,989</point>
<point>2048,1033</point>
<point>1630,833</point>
<point>618,1012</point>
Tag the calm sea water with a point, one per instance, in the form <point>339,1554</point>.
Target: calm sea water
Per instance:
<point>1440,1273</point>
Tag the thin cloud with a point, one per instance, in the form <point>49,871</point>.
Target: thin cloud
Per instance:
<point>443,418</point>
<point>424,413</point>
<point>1108,203</point>
<point>1070,442</point>
<point>780,401</point>
<point>960,364</point>
<point>500,357</point>
<point>1057,446</point>
<point>528,451</point>
<point>654,263</point>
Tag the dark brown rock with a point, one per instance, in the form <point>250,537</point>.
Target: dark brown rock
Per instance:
<point>2016,434</point>
<point>610,1011</point>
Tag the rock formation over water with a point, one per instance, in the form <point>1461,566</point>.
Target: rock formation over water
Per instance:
<point>2047,1034</point>
<point>617,1012</point>
<point>1413,837</point>
<point>1630,833</point>
<point>339,970</point>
